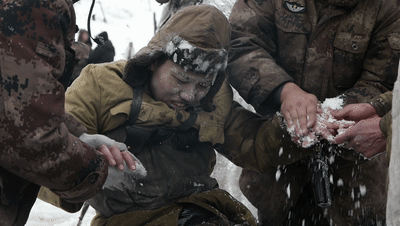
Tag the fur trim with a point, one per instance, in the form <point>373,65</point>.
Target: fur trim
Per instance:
<point>196,38</point>
<point>196,59</point>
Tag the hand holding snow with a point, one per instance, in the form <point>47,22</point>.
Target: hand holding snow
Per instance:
<point>326,126</point>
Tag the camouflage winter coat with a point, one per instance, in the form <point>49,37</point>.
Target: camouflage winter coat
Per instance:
<point>37,147</point>
<point>345,46</point>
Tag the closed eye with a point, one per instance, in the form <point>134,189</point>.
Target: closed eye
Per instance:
<point>205,85</point>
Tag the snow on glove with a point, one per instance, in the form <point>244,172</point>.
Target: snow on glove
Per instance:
<point>116,194</point>
<point>121,180</point>
<point>96,140</point>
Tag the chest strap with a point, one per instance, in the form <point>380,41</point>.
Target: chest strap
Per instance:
<point>136,104</point>
<point>136,137</point>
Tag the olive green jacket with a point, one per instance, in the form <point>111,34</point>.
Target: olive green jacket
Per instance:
<point>245,138</point>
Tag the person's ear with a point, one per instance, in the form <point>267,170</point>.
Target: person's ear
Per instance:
<point>152,66</point>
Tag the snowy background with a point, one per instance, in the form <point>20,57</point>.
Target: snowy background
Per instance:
<point>129,21</point>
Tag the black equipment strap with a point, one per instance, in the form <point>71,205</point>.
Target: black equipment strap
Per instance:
<point>136,104</point>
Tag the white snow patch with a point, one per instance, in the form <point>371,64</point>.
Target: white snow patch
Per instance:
<point>340,182</point>
<point>363,190</point>
<point>278,174</point>
<point>288,190</point>
<point>326,116</point>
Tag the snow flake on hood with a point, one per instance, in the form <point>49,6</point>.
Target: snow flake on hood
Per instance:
<point>198,60</point>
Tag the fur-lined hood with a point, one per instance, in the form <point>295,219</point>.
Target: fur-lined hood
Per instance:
<point>196,38</point>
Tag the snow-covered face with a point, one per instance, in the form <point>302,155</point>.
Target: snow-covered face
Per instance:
<point>178,88</point>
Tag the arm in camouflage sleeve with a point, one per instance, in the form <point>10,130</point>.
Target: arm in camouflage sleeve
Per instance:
<point>383,103</point>
<point>252,69</point>
<point>258,143</point>
<point>383,106</point>
<point>379,70</point>
<point>36,144</point>
<point>74,126</point>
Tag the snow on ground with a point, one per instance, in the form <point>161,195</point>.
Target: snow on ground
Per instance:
<point>126,21</point>
<point>44,214</point>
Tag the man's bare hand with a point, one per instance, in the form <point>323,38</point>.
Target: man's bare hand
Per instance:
<point>364,137</point>
<point>355,112</point>
<point>299,109</point>
<point>116,157</point>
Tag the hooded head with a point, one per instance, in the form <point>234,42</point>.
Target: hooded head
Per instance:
<point>196,38</point>
<point>101,38</point>
<point>104,35</point>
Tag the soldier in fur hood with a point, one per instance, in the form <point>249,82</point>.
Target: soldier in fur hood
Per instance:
<point>172,106</point>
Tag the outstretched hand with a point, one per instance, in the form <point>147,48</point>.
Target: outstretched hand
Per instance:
<point>355,112</point>
<point>299,109</point>
<point>365,136</point>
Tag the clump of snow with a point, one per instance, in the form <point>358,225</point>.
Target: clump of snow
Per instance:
<point>280,151</point>
<point>314,136</point>
<point>357,205</point>
<point>288,190</point>
<point>363,190</point>
<point>278,174</point>
<point>340,182</point>
<point>333,103</point>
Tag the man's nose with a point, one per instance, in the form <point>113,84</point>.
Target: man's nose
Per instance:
<point>188,94</point>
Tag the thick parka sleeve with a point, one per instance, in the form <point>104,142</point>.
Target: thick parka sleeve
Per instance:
<point>252,68</point>
<point>383,106</point>
<point>383,103</point>
<point>35,39</point>
<point>258,143</point>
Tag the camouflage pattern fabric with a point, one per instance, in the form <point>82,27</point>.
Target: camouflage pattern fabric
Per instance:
<point>383,106</point>
<point>325,57</point>
<point>328,48</point>
<point>36,145</point>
